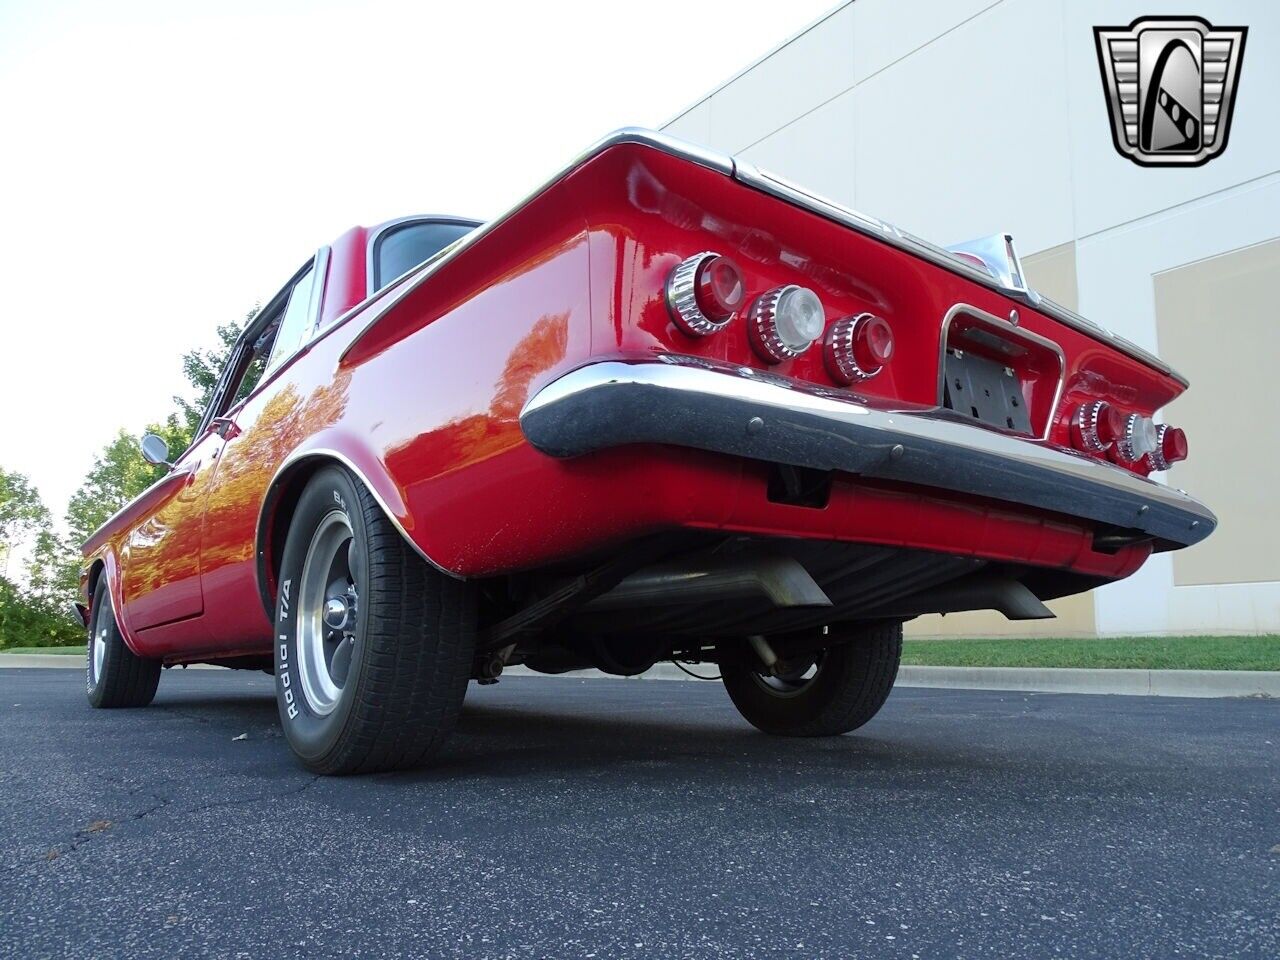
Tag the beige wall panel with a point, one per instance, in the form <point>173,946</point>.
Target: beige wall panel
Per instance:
<point>1052,272</point>
<point>1217,323</point>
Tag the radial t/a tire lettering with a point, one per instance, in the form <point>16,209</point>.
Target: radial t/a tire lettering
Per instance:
<point>373,646</point>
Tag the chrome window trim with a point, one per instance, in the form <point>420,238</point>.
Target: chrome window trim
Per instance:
<point>320,266</point>
<point>1016,333</point>
<point>308,325</point>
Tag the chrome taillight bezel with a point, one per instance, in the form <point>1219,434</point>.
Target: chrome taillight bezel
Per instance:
<point>840,349</point>
<point>681,294</point>
<point>1158,457</point>
<point>1088,427</point>
<point>762,324</point>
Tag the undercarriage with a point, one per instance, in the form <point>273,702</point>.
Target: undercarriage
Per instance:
<point>701,598</point>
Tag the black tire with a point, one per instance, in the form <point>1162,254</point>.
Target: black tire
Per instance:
<point>116,677</point>
<point>852,682</point>
<point>412,641</point>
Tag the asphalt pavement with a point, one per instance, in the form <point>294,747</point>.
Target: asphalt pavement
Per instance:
<point>584,818</point>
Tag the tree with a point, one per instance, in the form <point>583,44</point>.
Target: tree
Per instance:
<point>119,473</point>
<point>21,510</point>
<point>33,613</point>
<point>202,368</point>
<point>117,476</point>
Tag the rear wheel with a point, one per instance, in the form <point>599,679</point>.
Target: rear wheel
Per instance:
<point>114,675</point>
<point>373,647</point>
<point>825,694</point>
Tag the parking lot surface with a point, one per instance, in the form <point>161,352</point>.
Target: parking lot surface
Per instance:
<point>573,818</point>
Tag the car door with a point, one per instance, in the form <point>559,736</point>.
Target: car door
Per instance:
<point>248,462</point>
<point>160,559</point>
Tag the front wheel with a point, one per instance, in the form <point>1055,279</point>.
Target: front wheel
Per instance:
<point>114,675</point>
<point>373,647</point>
<point>821,695</point>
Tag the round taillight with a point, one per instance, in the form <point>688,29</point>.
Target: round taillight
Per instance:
<point>704,292</point>
<point>1171,447</point>
<point>1110,424</point>
<point>1138,439</point>
<point>858,347</point>
<point>785,322</point>
<point>720,289</point>
<point>1097,425</point>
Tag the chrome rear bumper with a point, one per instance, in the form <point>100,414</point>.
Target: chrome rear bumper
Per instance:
<point>735,410</point>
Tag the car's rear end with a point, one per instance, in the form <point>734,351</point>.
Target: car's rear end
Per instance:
<point>782,378</point>
<point>672,408</point>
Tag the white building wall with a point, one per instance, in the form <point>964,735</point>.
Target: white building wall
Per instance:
<point>960,118</point>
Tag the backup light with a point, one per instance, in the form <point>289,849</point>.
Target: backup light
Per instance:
<point>858,347</point>
<point>785,322</point>
<point>1140,438</point>
<point>704,292</point>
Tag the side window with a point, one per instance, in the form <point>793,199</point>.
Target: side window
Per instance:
<point>295,322</point>
<point>402,248</point>
<point>257,363</point>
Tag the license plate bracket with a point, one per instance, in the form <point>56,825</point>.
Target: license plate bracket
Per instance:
<point>985,390</point>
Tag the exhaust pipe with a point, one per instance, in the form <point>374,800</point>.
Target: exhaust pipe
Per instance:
<point>1009,597</point>
<point>780,580</point>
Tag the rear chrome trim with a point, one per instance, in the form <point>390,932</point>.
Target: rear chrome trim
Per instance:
<point>1001,259</point>
<point>733,410</point>
<point>1014,333</point>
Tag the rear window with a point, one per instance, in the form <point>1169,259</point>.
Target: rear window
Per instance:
<point>404,247</point>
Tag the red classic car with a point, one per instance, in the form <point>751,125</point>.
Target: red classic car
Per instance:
<point>670,407</point>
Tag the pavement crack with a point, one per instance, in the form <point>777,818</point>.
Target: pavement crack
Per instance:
<point>100,827</point>
<point>257,798</point>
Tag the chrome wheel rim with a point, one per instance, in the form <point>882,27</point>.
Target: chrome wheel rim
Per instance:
<point>792,677</point>
<point>328,608</point>
<point>98,651</point>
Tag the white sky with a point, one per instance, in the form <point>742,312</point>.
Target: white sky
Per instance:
<point>164,166</point>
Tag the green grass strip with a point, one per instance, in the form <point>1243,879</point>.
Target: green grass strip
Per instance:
<point>1140,653</point>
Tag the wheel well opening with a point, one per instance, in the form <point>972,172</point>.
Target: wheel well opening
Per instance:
<point>282,500</point>
<point>95,571</point>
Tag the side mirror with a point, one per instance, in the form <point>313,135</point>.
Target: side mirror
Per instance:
<point>155,451</point>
